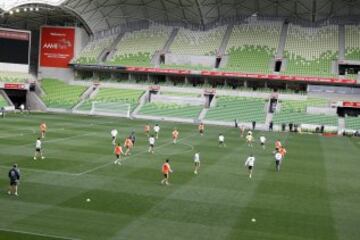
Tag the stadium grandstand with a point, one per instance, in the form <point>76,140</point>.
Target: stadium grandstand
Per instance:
<point>98,98</point>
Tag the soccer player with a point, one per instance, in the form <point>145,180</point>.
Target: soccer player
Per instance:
<point>197,162</point>
<point>14,176</point>
<point>38,149</point>
<point>118,151</point>
<point>133,137</point>
<point>166,170</point>
<point>147,130</point>
<point>282,151</point>
<point>249,139</point>
<point>250,163</point>
<point>201,129</point>
<point>157,130</point>
<point>278,160</point>
<point>242,130</point>
<point>221,140</point>
<point>128,145</point>
<point>175,135</point>
<point>43,129</point>
<point>278,145</point>
<point>114,134</point>
<point>151,143</point>
<point>263,141</point>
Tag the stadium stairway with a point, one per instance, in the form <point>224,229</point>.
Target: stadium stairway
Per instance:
<point>282,41</point>
<point>170,40</point>
<point>6,98</point>
<point>225,41</point>
<point>34,102</point>
<point>112,48</point>
<point>143,99</point>
<point>202,114</point>
<point>341,42</point>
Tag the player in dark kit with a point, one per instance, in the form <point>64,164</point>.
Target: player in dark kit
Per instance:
<point>132,137</point>
<point>14,176</point>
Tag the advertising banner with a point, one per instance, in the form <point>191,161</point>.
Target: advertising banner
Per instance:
<point>56,46</point>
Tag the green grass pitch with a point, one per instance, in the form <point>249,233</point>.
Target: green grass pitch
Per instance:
<point>315,196</point>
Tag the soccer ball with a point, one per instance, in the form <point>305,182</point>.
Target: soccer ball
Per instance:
<point>253,220</point>
<point>88,200</point>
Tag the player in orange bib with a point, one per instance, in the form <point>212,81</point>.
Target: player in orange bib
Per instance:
<point>282,151</point>
<point>147,129</point>
<point>175,135</point>
<point>43,129</point>
<point>166,170</point>
<point>278,145</point>
<point>118,151</point>
<point>128,145</point>
<point>201,129</point>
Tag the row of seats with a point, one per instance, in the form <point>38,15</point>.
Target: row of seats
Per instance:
<point>294,111</point>
<point>310,51</point>
<point>352,123</point>
<point>3,102</point>
<point>14,77</point>
<point>199,43</point>
<point>91,52</point>
<point>113,95</point>
<point>243,109</point>
<point>61,95</point>
<point>252,46</point>
<point>137,48</point>
<point>352,42</point>
<point>171,110</point>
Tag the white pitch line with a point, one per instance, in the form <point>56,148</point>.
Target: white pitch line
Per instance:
<point>41,170</point>
<point>139,153</point>
<point>38,234</point>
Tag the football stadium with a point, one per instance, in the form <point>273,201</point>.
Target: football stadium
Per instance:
<point>179,119</point>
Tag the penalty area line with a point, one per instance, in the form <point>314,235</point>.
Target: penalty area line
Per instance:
<point>38,234</point>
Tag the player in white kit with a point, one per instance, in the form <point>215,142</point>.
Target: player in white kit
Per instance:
<point>38,149</point>
<point>263,141</point>
<point>197,162</point>
<point>151,144</point>
<point>114,134</point>
<point>221,140</point>
<point>250,163</point>
<point>156,130</point>
<point>278,160</point>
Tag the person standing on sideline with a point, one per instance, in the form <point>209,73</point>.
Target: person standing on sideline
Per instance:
<point>14,176</point>
<point>166,170</point>
<point>250,163</point>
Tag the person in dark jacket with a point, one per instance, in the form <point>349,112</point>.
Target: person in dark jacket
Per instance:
<point>14,177</point>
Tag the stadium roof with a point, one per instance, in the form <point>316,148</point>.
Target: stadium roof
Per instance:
<point>104,14</point>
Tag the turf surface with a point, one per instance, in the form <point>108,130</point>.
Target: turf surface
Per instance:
<point>315,196</point>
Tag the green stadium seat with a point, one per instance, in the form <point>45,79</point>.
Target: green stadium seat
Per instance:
<point>113,95</point>
<point>310,51</point>
<point>137,48</point>
<point>61,95</point>
<point>244,109</point>
<point>294,111</point>
<point>252,46</point>
<point>171,110</point>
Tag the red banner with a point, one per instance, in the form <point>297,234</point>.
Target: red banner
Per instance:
<point>57,46</point>
<point>16,35</point>
<point>244,75</point>
<point>14,86</point>
<point>351,104</point>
